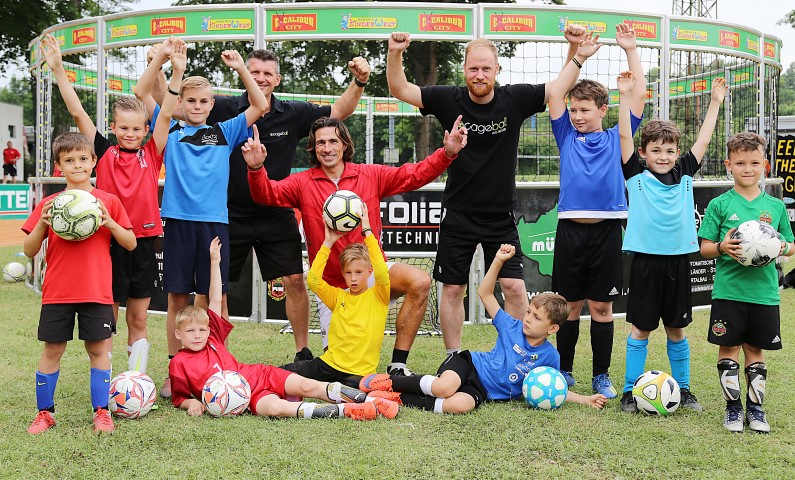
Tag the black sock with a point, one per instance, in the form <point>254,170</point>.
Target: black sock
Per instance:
<point>400,356</point>
<point>602,346</point>
<point>170,357</point>
<point>734,403</point>
<point>566,342</point>
<point>425,402</point>
<point>406,384</point>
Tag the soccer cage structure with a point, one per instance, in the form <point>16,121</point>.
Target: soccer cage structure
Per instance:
<point>681,56</point>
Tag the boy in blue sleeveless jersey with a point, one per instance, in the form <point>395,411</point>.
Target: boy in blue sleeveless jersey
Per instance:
<point>745,300</point>
<point>587,262</point>
<point>197,163</point>
<point>660,207</point>
<point>467,379</point>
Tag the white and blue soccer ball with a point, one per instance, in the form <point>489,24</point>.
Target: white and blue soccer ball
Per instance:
<point>545,388</point>
<point>656,393</point>
<point>75,215</point>
<point>226,394</point>
<point>759,244</point>
<point>342,211</point>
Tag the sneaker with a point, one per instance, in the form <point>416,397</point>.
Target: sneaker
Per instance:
<point>394,396</point>
<point>602,384</point>
<point>733,421</point>
<point>628,404</point>
<point>43,422</point>
<point>569,378</point>
<point>398,370</point>
<point>165,390</point>
<point>386,408</point>
<point>352,395</point>
<point>359,411</point>
<point>375,381</point>
<point>102,421</point>
<point>688,400</point>
<point>755,417</point>
<point>304,355</point>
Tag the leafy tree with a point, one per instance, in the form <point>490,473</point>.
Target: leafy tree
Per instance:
<point>786,92</point>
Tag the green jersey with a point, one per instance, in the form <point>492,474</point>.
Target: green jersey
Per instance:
<point>733,281</point>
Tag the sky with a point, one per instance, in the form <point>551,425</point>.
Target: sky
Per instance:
<point>760,14</point>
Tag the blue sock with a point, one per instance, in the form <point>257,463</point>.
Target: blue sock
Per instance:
<point>100,388</point>
<point>45,390</point>
<point>679,356</point>
<point>637,350</point>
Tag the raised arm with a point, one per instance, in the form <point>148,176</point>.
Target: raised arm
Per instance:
<point>626,86</point>
<point>557,90</point>
<point>486,288</point>
<point>717,95</point>
<point>257,101</point>
<point>627,40</point>
<point>178,64</point>
<point>159,89</point>
<point>399,86</point>
<point>52,53</point>
<point>346,104</point>
<point>143,88</point>
<point>283,193</point>
<point>215,294</point>
<point>574,34</point>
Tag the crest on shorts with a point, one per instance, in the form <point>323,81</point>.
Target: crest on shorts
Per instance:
<point>276,289</point>
<point>719,328</point>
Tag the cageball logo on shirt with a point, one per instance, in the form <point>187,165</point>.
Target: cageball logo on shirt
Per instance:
<point>209,139</point>
<point>279,134</point>
<point>493,127</point>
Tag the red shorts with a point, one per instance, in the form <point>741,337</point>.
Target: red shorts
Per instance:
<point>264,380</point>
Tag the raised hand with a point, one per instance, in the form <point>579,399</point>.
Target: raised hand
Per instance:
<point>574,33</point>
<point>233,60</point>
<point>399,41</point>
<point>254,152</point>
<point>150,54</point>
<point>625,36</point>
<point>215,251</point>
<point>360,68</point>
<point>179,58</point>
<point>455,139</point>
<point>52,52</point>
<point>588,45</point>
<point>331,235</point>
<point>626,82</point>
<point>505,252</point>
<point>365,216</point>
<point>719,89</point>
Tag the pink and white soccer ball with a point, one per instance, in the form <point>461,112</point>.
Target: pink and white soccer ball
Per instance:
<point>226,394</point>
<point>132,394</point>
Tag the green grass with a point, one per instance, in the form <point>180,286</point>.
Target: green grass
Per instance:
<point>496,441</point>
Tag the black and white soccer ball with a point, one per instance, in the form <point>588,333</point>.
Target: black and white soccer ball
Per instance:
<point>759,244</point>
<point>342,211</point>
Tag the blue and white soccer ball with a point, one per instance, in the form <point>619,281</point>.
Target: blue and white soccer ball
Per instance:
<point>545,388</point>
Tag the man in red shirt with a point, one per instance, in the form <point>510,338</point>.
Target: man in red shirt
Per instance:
<point>10,157</point>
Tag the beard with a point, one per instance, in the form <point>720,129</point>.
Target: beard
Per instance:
<point>480,90</point>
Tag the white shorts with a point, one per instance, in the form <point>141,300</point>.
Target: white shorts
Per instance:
<point>324,313</point>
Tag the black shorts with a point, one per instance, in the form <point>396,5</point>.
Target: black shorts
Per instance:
<point>733,323</point>
<point>459,235</point>
<point>659,287</point>
<point>10,169</point>
<point>461,363</point>
<point>134,273</point>
<point>321,371</point>
<point>186,255</point>
<point>587,261</point>
<point>94,320</point>
<point>275,239</point>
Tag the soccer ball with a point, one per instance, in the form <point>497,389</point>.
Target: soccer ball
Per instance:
<point>75,215</point>
<point>226,394</point>
<point>14,272</point>
<point>656,393</point>
<point>132,394</point>
<point>544,388</point>
<point>760,243</point>
<point>342,211</point>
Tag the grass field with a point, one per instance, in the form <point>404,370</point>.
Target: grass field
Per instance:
<point>496,441</point>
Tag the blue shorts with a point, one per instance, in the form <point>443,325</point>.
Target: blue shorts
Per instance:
<point>186,255</point>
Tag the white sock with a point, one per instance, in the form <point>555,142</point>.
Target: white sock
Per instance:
<point>437,406</point>
<point>307,408</point>
<point>139,355</point>
<point>425,384</point>
<point>453,350</point>
<point>333,391</point>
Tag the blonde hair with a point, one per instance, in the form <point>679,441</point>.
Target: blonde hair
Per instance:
<point>554,305</point>
<point>130,104</point>
<point>480,43</point>
<point>195,82</point>
<point>191,314</point>
<point>354,251</point>
<point>69,142</point>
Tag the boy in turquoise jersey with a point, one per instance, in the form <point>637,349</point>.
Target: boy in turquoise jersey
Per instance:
<point>660,206</point>
<point>745,300</point>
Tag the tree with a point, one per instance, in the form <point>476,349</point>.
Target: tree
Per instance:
<point>24,20</point>
<point>786,92</point>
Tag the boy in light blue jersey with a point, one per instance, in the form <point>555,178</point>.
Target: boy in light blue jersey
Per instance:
<point>587,262</point>
<point>660,207</point>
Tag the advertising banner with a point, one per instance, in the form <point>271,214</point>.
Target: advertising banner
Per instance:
<point>785,168</point>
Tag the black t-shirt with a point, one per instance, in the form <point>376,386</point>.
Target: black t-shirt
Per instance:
<point>280,130</point>
<point>687,165</point>
<point>482,178</point>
